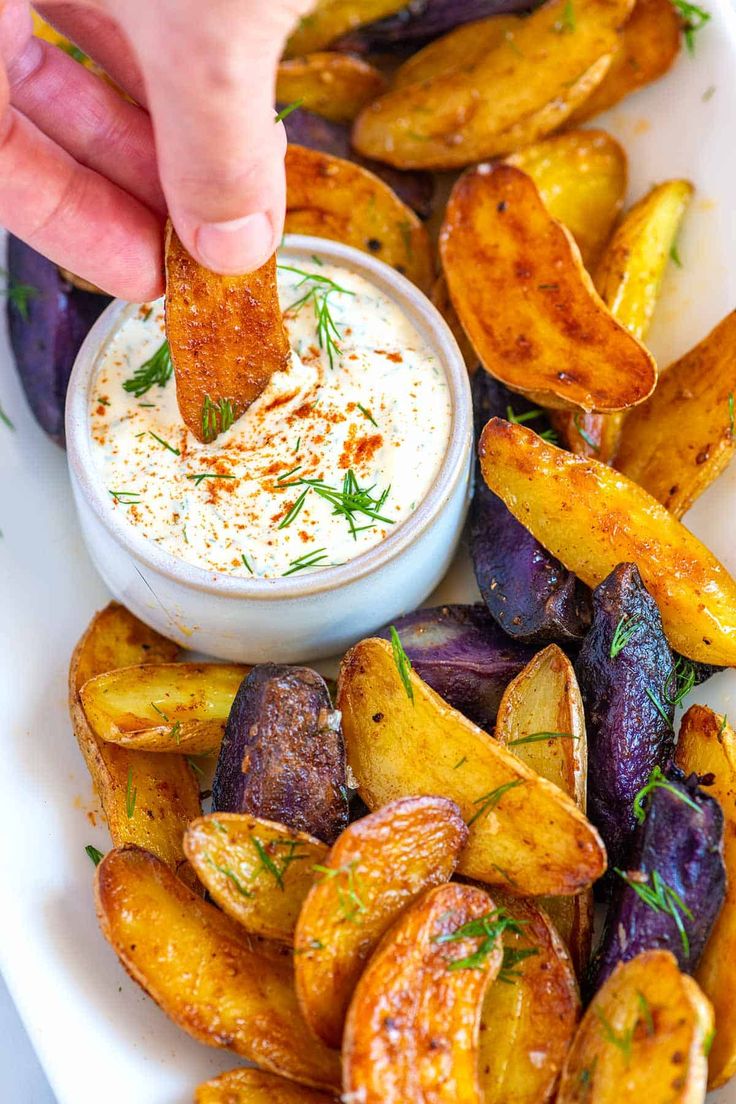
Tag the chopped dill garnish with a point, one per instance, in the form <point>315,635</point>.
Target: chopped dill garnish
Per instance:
<point>156,371</point>
<point>460,762</point>
<point>293,510</point>
<point>73,51</point>
<point>548,435</point>
<point>318,294</point>
<point>298,443</point>
<point>490,800</point>
<point>131,795</point>
<point>724,722</point>
<point>512,956</point>
<point>567,24</point>
<point>175,733</point>
<point>286,111</point>
<point>166,444</point>
<point>584,434</point>
<point>658,706</point>
<point>660,897</point>
<point>229,873</point>
<point>708,1042</point>
<point>245,563</point>
<point>197,479</point>
<point>658,781</point>
<point>348,895</point>
<point>347,501</point>
<point>126,498</point>
<point>675,255</point>
<point>94,854</point>
<point>489,929</point>
<point>536,737</point>
<point>270,864</point>
<point>309,559</point>
<point>195,766</point>
<point>646,1012</point>
<point>6,420</point>
<point>693,20</point>
<point>622,634</point>
<point>683,674</point>
<point>403,663</point>
<point>622,1041</point>
<point>216,417</point>
<point>730,413</point>
<point>18,294</point>
<point>285,475</point>
<point>367,414</point>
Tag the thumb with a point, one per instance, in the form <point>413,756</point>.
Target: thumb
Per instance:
<point>210,72</point>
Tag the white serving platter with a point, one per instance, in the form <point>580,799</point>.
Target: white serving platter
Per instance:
<point>97,1036</point>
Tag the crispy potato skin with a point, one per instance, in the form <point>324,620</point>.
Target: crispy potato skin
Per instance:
<point>336,86</point>
<point>329,19</point>
<point>707,745</point>
<point>337,199</point>
<point>387,860</point>
<point>581,177</point>
<point>441,299</point>
<point>642,1038</point>
<point>527,1027</point>
<point>509,97</point>
<point>226,334</point>
<point>594,518</point>
<point>526,302</point>
<point>252,1086</point>
<point>223,849</point>
<point>649,44</point>
<point>465,45</point>
<point>413,1024</point>
<point>203,971</point>
<point>681,439</point>
<point>531,837</point>
<point>167,793</point>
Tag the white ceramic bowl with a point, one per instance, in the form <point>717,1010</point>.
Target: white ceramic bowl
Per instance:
<point>305,616</point>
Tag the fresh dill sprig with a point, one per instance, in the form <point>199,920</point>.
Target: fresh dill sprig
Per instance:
<point>724,722</point>
<point>403,663</point>
<point>200,476</point>
<point>658,706</point>
<point>246,565</point>
<point>296,446</point>
<point>318,294</point>
<point>348,894</point>
<point>156,371</point>
<point>622,634</point>
<point>584,434</point>
<point>94,854</point>
<point>684,680</point>
<point>367,414</point>
<point>658,781</point>
<point>216,417</point>
<point>512,956</point>
<point>6,420</point>
<point>18,294</point>
<point>131,795</point>
<point>269,862</point>
<point>537,737</point>
<point>309,559</point>
<point>229,873</point>
<point>293,510</point>
<point>660,897</point>
<point>693,20</point>
<point>646,1012</point>
<point>347,501</point>
<point>675,255</point>
<point>126,498</point>
<point>286,111</point>
<point>489,929</point>
<point>490,800</point>
<point>176,451</point>
<point>548,435</point>
<point>622,1041</point>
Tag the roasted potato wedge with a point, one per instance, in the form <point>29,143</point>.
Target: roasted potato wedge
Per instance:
<point>257,871</point>
<point>683,437</point>
<point>526,302</point>
<point>402,739</point>
<point>335,86</point>
<point>644,1036</point>
<point>253,1086</point>
<point>460,48</point>
<point>649,44</point>
<point>226,338</point>
<point>594,518</point>
<point>146,799</point>
<point>707,746</point>
<point>581,178</point>
<point>203,971</point>
<point>340,200</point>
<point>378,866</point>
<point>328,19</point>
<point>412,1028</point>
<point>530,1014</point>
<point>440,296</point>
<point>164,707</point>
<point>513,95</point>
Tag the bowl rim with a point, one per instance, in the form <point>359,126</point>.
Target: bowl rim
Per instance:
<point>430,323</point>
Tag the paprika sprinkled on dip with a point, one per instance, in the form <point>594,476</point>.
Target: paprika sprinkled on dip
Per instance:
<point>336,452</point>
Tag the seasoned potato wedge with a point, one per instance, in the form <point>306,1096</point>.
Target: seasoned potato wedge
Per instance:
<point>378,866</point>
<point>257,871</point>
<point>531,1012</point>
<point>683,437</point>
<point>649,44</point>
<point>253,1086</point>
<point>644,1037</point>
<point>203,971</point>
<point>328,19</point>
<point>412,1029</point>
<point>524,832</point>
<point>226,338</point>
<point>581,177</point>
<point>335,86</point>
<point>163,706</point>
<point>511,96</point>
<point>593,518</point>
<point>460,48</point>
<point>146,799</point>
<point>340,200</point>
<point>526,302</point>
<point>707,746</point>
<point>441,298</point>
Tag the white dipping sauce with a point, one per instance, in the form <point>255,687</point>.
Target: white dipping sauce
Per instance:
<point>382,412</point>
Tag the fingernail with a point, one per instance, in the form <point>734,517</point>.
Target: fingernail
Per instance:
<point>240,245</point>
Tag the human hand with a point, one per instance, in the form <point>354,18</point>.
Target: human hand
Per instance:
<point>87,177</point>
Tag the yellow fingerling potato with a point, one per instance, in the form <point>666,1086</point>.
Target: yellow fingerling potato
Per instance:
<point>335,86</point>
<point>460,49</point>
<point>593,518</point>
<point>402,738</point>
<point>328,19</point>
<point>252,1086</point>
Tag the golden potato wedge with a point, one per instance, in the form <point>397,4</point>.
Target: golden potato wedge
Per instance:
<point>328,19</point>
<point>163,707</point>
<point>649,44</point>
<point>378,865</point>
<point>411,1033</point>
<point>253,1086</point>
<point>524,832</point>
<point>257,871</point>
<point>644,1037</point>
<point>593,518</point>
<point>340,200</point>
<point>707,745</point>
<point>682,438</point>
<point>441,298</point>
<point>526,302</point>
<point>226,338</point>
<point>460,49</point>
<point>335,86</point>
<point>511,96</point>
<point>530,1014</point>
<point>146,799</point>
<point>581,178</point>
<point>204,972</point>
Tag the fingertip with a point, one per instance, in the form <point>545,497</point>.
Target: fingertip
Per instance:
<point>238,245</point>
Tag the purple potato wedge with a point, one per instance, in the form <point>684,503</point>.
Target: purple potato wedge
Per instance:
<point>47,332</point>
<point>304,128</point>
<point>626,675</point>
<point>526,589</point>
<point>421,21</point>
<point>282,756</point>
<point>463,655</point>
<point>670,894</point>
